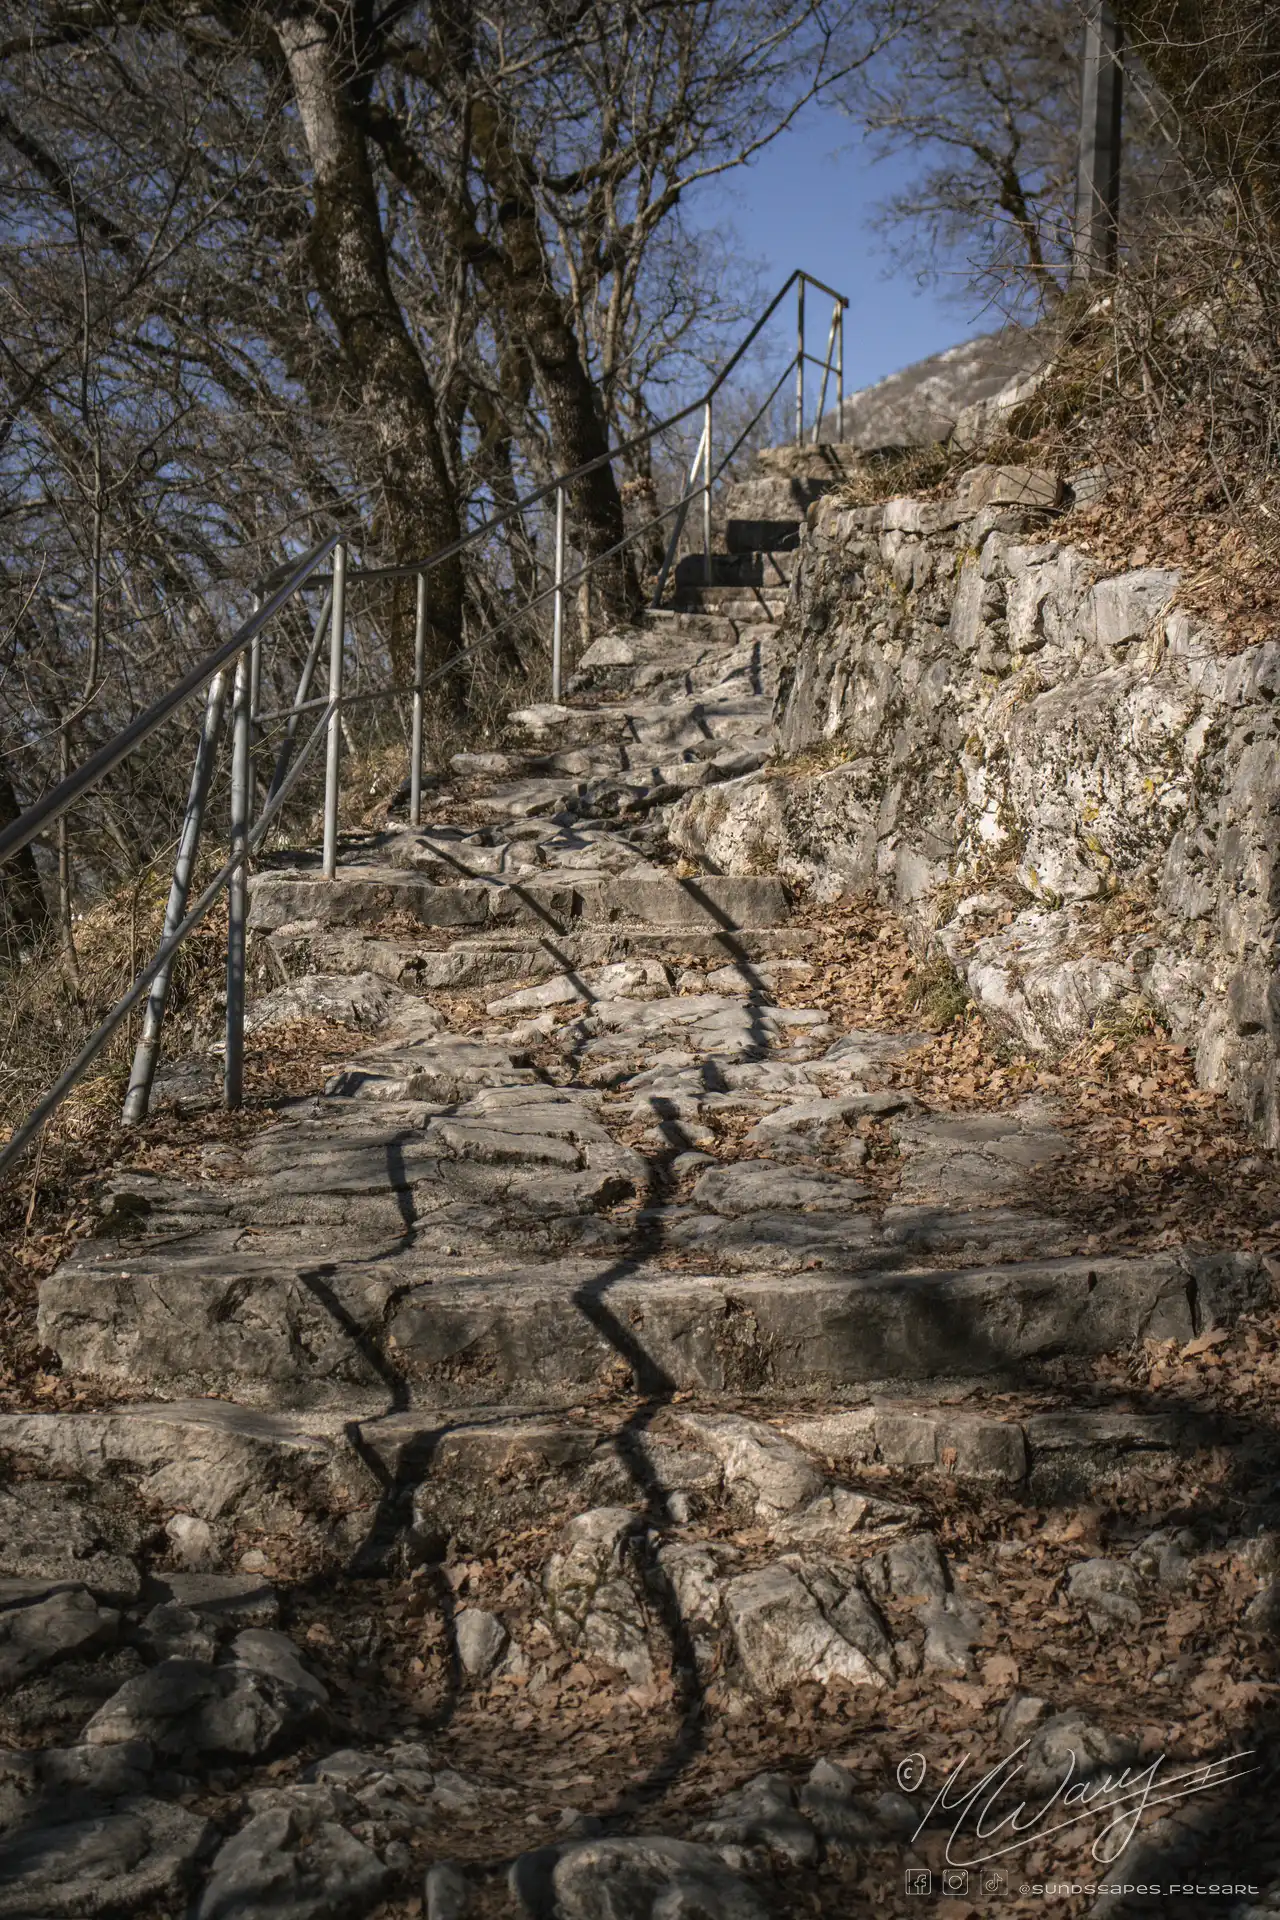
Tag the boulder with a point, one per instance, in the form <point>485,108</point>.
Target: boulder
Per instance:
<point>295,1861</point>
<point>230,1712</point>
<point>645,1878</point>
<point>38,1634</point>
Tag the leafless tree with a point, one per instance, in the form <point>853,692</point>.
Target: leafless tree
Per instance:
<point>985,97</point>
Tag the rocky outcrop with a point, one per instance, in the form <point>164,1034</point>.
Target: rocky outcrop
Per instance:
<point>1054,772</point>
<point>958,394</point>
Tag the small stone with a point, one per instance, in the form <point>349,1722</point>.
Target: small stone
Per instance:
<point>1263,1611</point>
<point>1261,1554</point>
<point>951,1630</point>
<point>446,1894</point>
<point>37,1635</point>
<point>193,1543</point>
<point>1108,1591</point>
<point>594,1590</point>
<point>840,1815</point>
<point>686,1163</point>
<point>838,1516</point>
<point>178,1633</point>
<point>481,1639</point>
<point>798,1621</point>
<point>776,1474</point>
<point>139,1857</point>
<point>253,1561</point>
<point>263,1650</point>
<point>763,1814</point>
<point>894,1812</point>
<point>1067,1746</point>
<point>910,1569</point>
<point>1165,1557</point>
<point>562,991</point>
<point>188,1706</point>
<point>1020,1717</point>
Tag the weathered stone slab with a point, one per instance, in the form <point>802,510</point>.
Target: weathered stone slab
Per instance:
<point>265,1333</point>
<point>50,1532</point>
<point>142,1852</point>
<point>797,1621</point>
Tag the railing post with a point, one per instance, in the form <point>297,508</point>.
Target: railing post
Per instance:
<point>147,1053</point>
<point>557,615</point>
<point>237,890</point>
<point>415,742</point>
<point>255,703</point>
<point>304,687</point>
<point>840,379</point>
<point>800,363</point>
<point>1096,234</point>
<point>333,746</point>
<point>706,494</point>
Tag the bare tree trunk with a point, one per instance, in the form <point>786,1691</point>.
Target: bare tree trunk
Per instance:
<point>65,922</point>
<point>349,266</point>
<point>578,430</point>
<point>22,900</point>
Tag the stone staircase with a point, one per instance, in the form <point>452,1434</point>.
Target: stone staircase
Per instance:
<point>616,1323</point>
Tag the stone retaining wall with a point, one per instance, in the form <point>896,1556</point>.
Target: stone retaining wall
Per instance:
<point>1055,773</point>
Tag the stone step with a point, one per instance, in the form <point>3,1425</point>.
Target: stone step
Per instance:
<point>656,725</point>
<point>744,566</point>
<point>739,603</point>
<point>242,1468</point>
<point>775,496</point>
<point>648,660</point>
<point>363,896</point>
<point>512,957</point>
<point>710,628</point>
<point>255,1319</point>
<point>827,464</point>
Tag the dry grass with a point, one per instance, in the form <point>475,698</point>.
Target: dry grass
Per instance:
<point>1172,384</point>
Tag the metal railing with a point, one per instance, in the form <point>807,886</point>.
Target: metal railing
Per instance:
<point>240,656</point>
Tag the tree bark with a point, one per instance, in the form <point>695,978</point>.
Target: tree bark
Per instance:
<point>579,434</point>
<point>349,265</point>
<point>22,901</point>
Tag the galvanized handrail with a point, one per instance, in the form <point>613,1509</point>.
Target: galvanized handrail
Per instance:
<point>242,650</point>
<point>38,818</point>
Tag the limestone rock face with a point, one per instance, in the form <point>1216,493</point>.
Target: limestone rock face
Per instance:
<point>950,393</point>
<point>1024,754</point>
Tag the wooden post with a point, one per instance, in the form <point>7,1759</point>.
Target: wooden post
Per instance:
<point>1098,179</point>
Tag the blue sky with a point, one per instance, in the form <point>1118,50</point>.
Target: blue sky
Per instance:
<point>806,203</point>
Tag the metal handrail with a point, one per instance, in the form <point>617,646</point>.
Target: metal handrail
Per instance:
<point>243,650</point>
<point>39,817</point>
